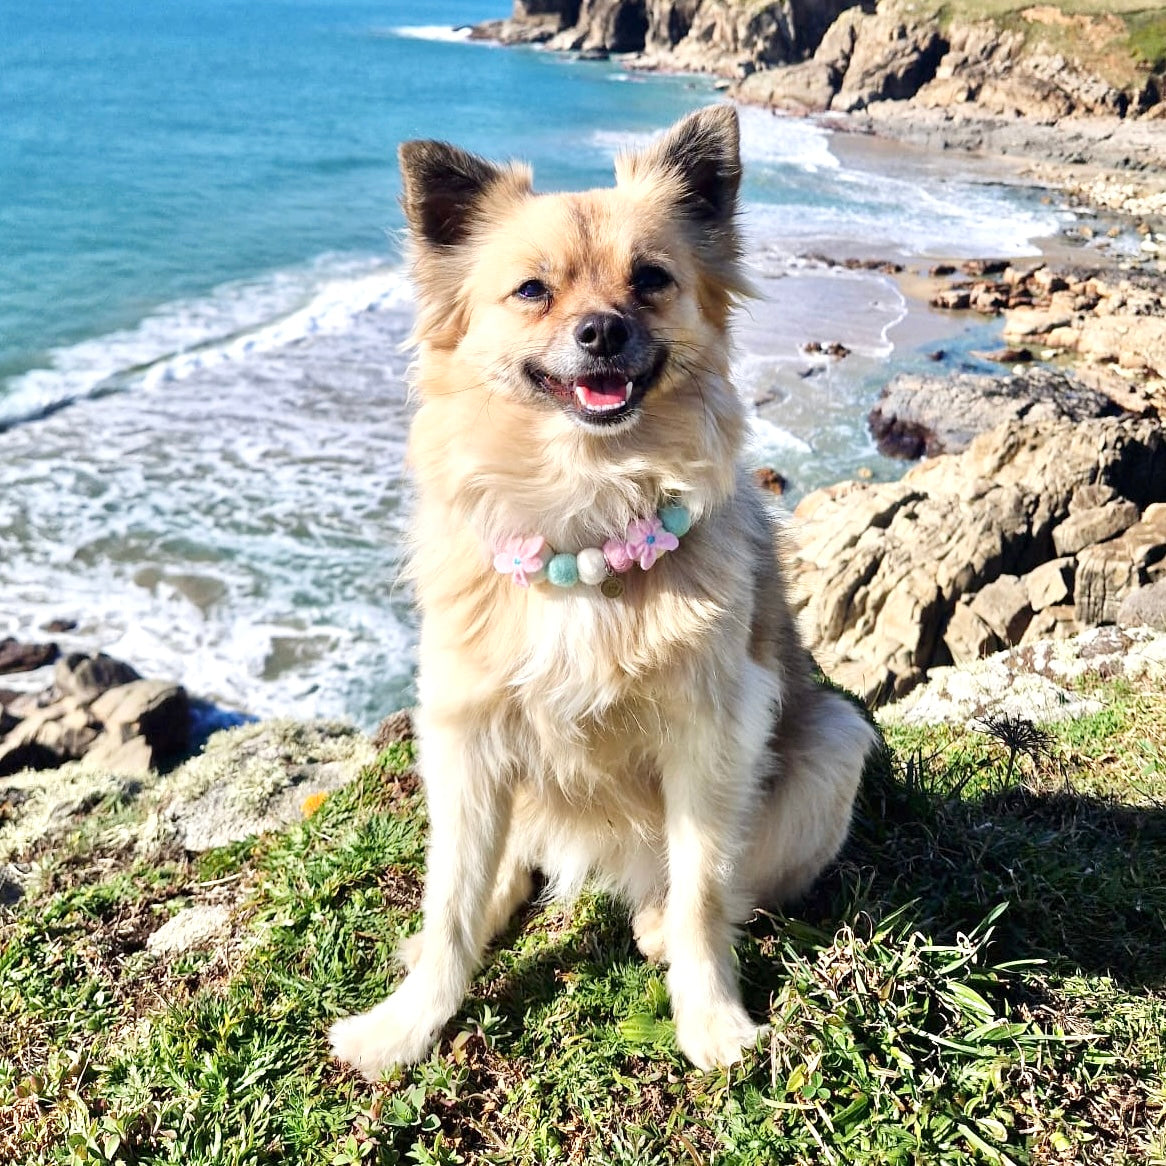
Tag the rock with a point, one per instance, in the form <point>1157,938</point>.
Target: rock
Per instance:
<point>722,36</point>
<point>254,778</point>
<point>879,569</point>
<point>1050,584</point>
<point>89,676</point>
<point>1052,623</point>
<point>17,657</point>
<point>194,927</point>
<point>966,695</point>
<point>129,727</point>
<point>1083,528</point>
<point>1091,496</point>
<point>154,710</point>
<point>1004,607</point>
<point>892,58</point>
<point>56,626</point>
<point>1029,681</point>
<point>1009,356</point>
<point>926,415</point>
<point>968,637</point>
<point>1144,607</point>
<point>12,883</point>
<point>1109,571</point>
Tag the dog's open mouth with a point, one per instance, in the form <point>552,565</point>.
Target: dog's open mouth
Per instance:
<point>600,398</point>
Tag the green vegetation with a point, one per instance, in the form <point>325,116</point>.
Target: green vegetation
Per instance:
<point>1118,39</point>
<point>981,980</point>
<point>1148,39</point>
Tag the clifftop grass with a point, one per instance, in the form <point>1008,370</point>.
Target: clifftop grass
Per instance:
<point>1121,40</point>
<point>982,979</point>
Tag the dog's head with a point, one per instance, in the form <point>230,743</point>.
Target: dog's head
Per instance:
<point>590,303</point>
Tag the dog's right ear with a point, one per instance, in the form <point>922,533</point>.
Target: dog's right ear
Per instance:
<point>444,188</point>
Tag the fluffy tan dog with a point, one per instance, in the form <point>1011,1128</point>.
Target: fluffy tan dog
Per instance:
<point>657,730</point>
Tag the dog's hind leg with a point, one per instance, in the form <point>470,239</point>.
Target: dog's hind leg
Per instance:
<point>820,748</point>
<point>467,840</point>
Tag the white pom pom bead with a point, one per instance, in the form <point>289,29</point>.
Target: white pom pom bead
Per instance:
<point>592,566</point>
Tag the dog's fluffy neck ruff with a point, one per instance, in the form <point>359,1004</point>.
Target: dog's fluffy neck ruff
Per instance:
<point>525,468</point>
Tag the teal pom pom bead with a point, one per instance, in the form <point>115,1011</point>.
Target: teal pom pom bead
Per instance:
<point>676,520</point>
<point>563,571</point>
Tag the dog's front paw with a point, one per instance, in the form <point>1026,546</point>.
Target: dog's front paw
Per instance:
<point>715,1036</point>
<point>395,1032</point>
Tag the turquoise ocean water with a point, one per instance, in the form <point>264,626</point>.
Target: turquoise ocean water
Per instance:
<point>202,407</point>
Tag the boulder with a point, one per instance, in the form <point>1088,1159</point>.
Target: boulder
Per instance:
<point>1004,607</point>
<point>256,778</point>
<point>1030,681</point>
<point>18,657</point>
<point>87,677</point>
<point>968,637</point>
<point>1144,607</point>
<point>1083,528</point>
<point>17,756</point>
<point>1109,571</point>
<point>1052,623</point>
<point>98,709</point>
<point>1050,584</point>
<point>144,723</point>
<point>919,416</point>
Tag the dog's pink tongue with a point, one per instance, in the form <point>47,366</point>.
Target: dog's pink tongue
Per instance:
<point>601,392</point>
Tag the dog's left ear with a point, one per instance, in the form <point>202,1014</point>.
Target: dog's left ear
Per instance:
<point>700,159</point>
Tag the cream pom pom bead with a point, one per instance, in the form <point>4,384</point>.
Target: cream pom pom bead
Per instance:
<point>592,566</point>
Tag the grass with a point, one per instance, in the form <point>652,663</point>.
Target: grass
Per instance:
<point>981,979</point>
<point>1121,40</point>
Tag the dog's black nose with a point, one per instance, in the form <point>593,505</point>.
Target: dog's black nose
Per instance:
<point>602,333</point>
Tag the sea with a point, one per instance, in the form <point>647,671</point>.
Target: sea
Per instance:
<point>203,400</point>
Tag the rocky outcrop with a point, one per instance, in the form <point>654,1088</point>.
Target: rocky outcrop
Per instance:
<point>1036,682</point>
<point>97,709</point>
<point>969,553</point>
<point>917,416</point>
<point>722,36</point>
<point>866,55</point>
<point>246,780</point>
<point>893,54</point>
<point>1112,326</point>
<point>257,778</point>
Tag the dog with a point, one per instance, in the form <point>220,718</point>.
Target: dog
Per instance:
<point>611,685</point>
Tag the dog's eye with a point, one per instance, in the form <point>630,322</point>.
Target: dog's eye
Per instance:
<point>533,289</point>
<point>649,279</point>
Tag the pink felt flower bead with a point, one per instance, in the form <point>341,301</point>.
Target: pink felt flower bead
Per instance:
<point>617,555</point>
<point>521,557</point>
<point>648,540</point>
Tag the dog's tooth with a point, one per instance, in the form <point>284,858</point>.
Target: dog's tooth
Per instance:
<point>581,396</point>
<point>627,391</point>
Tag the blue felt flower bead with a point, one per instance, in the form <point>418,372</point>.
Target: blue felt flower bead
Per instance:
<point>563,571</point>
<point>676,520</point>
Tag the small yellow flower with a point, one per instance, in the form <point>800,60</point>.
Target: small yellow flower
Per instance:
<point>312,803</point>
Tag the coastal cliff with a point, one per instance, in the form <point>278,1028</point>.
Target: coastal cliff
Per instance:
<point>1038,62</point>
